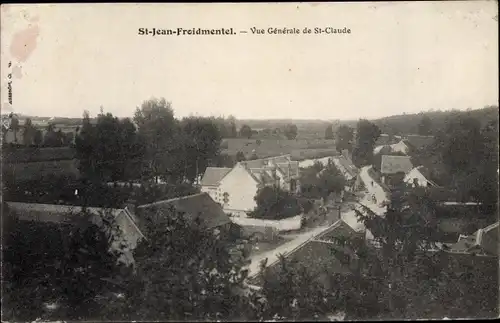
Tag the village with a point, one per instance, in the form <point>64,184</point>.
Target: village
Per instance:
<point>250,162</point>
<point>310,203</point>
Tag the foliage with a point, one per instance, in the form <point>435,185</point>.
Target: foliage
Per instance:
<point>107,151</point>
<point>414,282</point>
<point>240,156</point>
<point>202,142</point>
<point>29,132</point>
<point>367,135</point>
<point>245,131</point>
<point>159,130</point>
<point>47,262</point>
<point>318,181</point>
<point>274,203</point>
<point>344,137</point>
<point>294,294</point>
<point>425,126</point>
<point>290,131</point>
<point>329,132</point>
<point>183,273</point>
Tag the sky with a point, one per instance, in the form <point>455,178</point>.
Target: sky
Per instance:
<point>399,58</point>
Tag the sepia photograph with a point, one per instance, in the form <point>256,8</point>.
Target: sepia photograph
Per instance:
<point>258,162</point>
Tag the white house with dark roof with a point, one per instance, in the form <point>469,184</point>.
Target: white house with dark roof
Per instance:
<point>419,176</point>
<point>394,165</point>
<point>235,188</point>
<point>483,241</point>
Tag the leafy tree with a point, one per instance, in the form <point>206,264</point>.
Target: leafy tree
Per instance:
<point>246,131</point>
<point>28,132</point>
<point>164,154</point>
<point>318,181</point>
<point>275,203</point>
<point>47,262</point>
<point>14,126</point>
<point>329,132</point>
<point>409,276</point>
<point>202,144</point>
<point>108,150</point>
<point>290,131</point>
<point>425,126</point>
<point>233,132</point>
<point>294,294</point>
<point>184,272</point>
<point>240,156</point>
<point>52,138</point>
<point>344,137</point>
<point>38,138</point>
<point>367,135</point>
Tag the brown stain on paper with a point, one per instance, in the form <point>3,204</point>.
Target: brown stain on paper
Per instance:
<point>24,42</point>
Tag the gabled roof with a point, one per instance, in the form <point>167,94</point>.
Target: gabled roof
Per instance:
<point>477,241</point>
<point>198,206</point>
<point>395,164</point>
<point>289,168</point>
<point>213,175</point>
<point>262,175</point>
<point>260,163</point>
<point>64,213</point>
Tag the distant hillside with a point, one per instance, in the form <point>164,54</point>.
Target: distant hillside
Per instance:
<point>408,123</point>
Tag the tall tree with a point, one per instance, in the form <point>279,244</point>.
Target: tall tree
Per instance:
<point>184,272</point>
<point>275,203</point>
<point>290,131</point>
<point>344,137</point>
<point>202,144</point>
<point>108,150</point>
<point>55,263</point>
<point>425,126</point>
<point>52,138</point>
<point>367,135</point>
<point>246,131</point>
<point>164,143</point>
<point>28,132</point>
<point>329,132</point>
<point>233,132</point>
<point>14,126</point>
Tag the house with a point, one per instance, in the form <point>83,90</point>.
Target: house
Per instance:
<point>419,176</point>
<point>345,166</point>
<point>125,220</point>
<point>318,254</point>
<point>197,207</point>
<point>483,241</point>
<point>393,166</point>
<point>236,188</point>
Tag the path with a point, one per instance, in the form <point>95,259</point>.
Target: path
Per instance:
<point>373,188</point>
<point>272,255</point>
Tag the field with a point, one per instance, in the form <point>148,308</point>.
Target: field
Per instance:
<point>26,155</point>
<point>39,170</point>
<point>299,149</point>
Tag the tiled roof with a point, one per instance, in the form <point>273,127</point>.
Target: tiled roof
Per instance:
<point>262,175</point>
<point>64,213</point>
<point>213,175</point>
<point>260,163</point>
<point>291,168</point>
<point>53,212</point>
<point>196,206</point>
<point>395,164</point>
<point>485,239</point>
